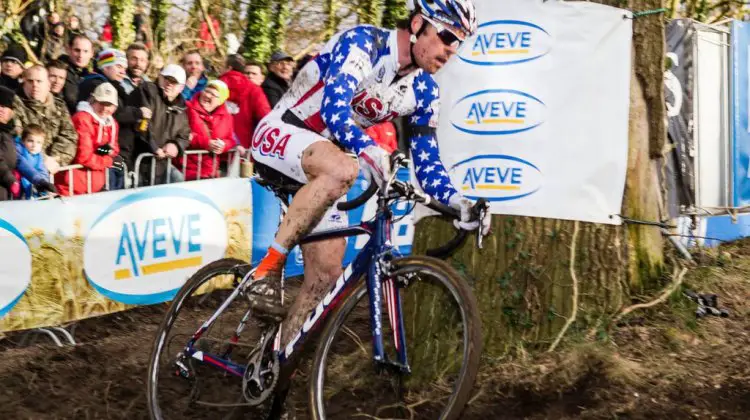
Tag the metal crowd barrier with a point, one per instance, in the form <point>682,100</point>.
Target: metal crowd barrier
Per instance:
<point>201,154</point>
<point>132,178</point>
<point>70,169</point>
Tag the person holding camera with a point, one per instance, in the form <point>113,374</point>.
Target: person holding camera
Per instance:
<point>98,148</point>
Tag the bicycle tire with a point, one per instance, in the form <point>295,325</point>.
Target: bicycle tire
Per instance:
<point>202,276</point>
<point>466,301</point>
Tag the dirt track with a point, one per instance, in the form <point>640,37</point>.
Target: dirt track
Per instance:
<point>658,369</point>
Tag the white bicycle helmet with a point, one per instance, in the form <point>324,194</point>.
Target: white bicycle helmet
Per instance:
<point>460,15</point>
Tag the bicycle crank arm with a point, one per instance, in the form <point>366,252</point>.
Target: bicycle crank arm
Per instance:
<point>393,367</point>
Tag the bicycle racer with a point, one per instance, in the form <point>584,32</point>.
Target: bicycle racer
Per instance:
<point>363,76</point>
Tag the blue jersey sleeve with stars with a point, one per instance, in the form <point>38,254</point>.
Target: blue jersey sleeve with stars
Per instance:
<point>428,167</point>
<point>352,60</point>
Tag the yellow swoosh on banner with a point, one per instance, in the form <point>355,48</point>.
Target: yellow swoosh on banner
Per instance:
<point>496,121</point>
<point>161,267</point>
<point>501,52</point>
<point>492,187</point>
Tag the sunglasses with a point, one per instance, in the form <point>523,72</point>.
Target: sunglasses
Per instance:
<point>447,36</point>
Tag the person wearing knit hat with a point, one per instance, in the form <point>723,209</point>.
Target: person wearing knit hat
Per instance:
<point>12,60</point>
<point>221,88</point>
<point>111,57</point>
<point>111,67</point>
<point>212,128</point>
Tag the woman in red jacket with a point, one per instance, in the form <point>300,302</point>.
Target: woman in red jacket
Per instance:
<point>247,103</point>
<point>97,142</point>
<point>211,126</point>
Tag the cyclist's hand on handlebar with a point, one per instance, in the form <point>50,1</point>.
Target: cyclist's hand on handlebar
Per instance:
<point>376,164</point>
<point>473,216</point>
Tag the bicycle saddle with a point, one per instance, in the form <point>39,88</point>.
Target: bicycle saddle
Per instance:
<point>275,181</point>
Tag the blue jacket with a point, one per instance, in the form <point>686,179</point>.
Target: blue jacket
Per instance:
<point>31,167</point>
<point>188,93</point>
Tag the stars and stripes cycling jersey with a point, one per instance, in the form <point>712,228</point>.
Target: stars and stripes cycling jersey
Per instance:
<point>353,84</point>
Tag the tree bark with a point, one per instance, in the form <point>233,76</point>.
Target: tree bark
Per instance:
<point>121,17</point>
<point>257,41</point>
<point>393,11</point>
<point>522,278</point>
<point>332,21</point>
<point>370,12</point>
<point>159,13</point>
<point>278,35</point>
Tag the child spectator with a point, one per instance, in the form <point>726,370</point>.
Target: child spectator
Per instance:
<point>211,127</point>
<point>97,142</point>
<point>30,168</point>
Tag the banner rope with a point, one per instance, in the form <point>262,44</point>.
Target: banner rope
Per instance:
<point>647,13</point>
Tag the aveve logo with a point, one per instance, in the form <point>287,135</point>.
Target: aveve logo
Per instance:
<point>506,42</point>
<point>15,275</point>
<point>497,177</point>
<point>144,246</point>
<point>497,112</point>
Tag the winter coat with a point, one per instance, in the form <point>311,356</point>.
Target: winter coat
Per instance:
<point>206,127</point>
<point>10,83</point>
<point>52,115</point>
<point>127,115</point>
<point>274,87</point>
<point>7,160</point>
<point>130,86</point>
<point>246,103</point>
<point>188,93</point>
<point>73,79</point>
<point>54,46</point>
<point>169,124</point>
<point>93,132</point>
<point>30,167</point>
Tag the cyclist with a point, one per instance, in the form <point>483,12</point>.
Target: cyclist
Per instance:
<point>363,76</point>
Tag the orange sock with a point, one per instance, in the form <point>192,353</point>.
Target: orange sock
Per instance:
<point>273,261</point>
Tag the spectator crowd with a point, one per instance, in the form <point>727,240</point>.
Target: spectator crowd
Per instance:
<point>90,118</point>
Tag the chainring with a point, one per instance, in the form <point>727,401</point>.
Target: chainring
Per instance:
<point>268,364</point>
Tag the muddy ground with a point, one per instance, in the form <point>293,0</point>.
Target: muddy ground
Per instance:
<point>661,363</point>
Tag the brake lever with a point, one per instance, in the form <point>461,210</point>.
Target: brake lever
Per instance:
<point>480,237</point>
<point>481,208</point>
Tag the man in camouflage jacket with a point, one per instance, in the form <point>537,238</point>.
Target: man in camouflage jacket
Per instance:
<point>36,105</point>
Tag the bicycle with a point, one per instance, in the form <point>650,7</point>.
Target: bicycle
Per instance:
<point>266,367</point>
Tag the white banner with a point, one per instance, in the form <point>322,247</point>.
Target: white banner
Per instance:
<point>534,111</point>
<point>94,254</point>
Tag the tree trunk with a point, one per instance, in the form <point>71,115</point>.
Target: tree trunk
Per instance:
<point>121,17</point>
<point>159,13</point>
<point>370,11</point>
<point>522,278</point>
<point>393,11</point>
<point>257,41</point>
<point>332,19</point>
<point>278,34</point>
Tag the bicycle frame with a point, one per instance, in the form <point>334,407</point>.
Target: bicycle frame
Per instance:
<point>367,263</point>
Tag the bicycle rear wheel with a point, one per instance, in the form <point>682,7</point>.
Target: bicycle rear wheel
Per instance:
<point>442,338</point>
<point>208,391</point>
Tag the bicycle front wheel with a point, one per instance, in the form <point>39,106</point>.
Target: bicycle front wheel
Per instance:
<point>442,333</point>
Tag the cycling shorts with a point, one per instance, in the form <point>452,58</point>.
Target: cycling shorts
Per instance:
<point>280,145</point>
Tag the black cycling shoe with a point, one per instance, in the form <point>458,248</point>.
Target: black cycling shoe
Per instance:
<point>264,295</point>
